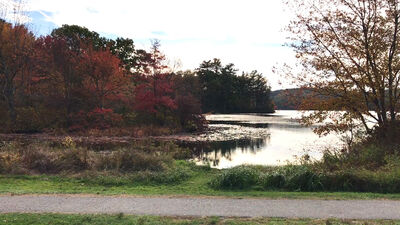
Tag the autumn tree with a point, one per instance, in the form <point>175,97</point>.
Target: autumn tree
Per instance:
<point>16,44</point>
<point>60,65</point>
<point>154,93</point>
<point>103,77</point>
<point>349,50</point>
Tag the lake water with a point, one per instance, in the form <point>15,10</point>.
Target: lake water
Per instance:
<point>259,139</point>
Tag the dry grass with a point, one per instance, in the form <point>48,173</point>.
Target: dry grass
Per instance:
<point>67,157</point>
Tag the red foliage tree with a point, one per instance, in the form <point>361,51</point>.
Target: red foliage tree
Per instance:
<point>103,76</point>
<point>154,93</point>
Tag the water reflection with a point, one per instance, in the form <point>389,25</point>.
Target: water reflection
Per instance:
<point>212,152</point>
<point>261,139</point>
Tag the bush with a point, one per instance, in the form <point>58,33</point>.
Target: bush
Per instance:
<point>291,177</point>
<point>98,118</point>
<point>39,160</point>
<point>2,165</point>
<point>363,181</point>
<point>73,160</point>
<point>304,179</point>
<point>240,177</point>
<point>272,181</point>
<point>11,163</point>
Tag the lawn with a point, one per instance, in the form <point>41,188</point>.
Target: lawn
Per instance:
<point>55,219</point>
<point>196,185</point>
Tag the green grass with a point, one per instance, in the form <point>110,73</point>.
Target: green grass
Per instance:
<point>32,219</point>
<point>196,185</point>
<point>153,169</point>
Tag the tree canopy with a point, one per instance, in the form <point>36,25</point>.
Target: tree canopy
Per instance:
<point>226,92</point>
<point>349,50</point>
<point>77,80</point>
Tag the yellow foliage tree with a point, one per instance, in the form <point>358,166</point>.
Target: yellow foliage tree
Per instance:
<point>350,52</point>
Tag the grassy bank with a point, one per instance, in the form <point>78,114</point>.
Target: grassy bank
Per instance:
<point>196,185</point>
<point>25,219</point>
<point>149,168</point>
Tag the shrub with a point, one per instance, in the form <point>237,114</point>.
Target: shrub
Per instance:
<point>240,177</point>
<point>73,160</point>
<point>10,163</point>
<point>2,165</point>
<point>39,160</point>
<point>292,177</point>
<point>98,118</point>
<point>363,181</point>
<point>304,179</point>
<point>189,113</point>
<point>272,181</point>
<point>358,156</point>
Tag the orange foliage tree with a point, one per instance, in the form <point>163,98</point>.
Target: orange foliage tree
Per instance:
<point>16,44</point>
<point>349,50</point>
<point>104,78</point>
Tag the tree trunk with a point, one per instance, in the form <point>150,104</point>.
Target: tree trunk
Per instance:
<point>9,96</point>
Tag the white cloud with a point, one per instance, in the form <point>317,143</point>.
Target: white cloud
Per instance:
<point>245,32</point>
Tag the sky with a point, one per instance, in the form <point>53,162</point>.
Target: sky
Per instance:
<point>247,33</point>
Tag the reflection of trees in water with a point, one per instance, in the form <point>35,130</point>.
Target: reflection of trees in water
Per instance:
<point>287,123</point>
<point>212,152</point>
<point>240,123</point>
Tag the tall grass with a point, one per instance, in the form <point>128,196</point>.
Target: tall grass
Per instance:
<point>67,157</point>
<point>306,178</point>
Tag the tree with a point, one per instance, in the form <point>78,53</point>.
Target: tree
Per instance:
<point>187,95</point>
<point>350,53</point>
<point>78,37</point>
<point>216,84</point>
<point>258,91</point>
<point>16,44</point>
<point>223,91</point>
<point>104,79</point>
<point>154,92</point>
<point>126,52</point>
<point>61,66</point>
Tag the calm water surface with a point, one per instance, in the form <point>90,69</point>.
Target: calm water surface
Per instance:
<point>260,139</point>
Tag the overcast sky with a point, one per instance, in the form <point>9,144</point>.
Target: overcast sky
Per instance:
<point>248,33</point>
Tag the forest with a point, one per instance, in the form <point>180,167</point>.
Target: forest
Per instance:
<point>75,80</point>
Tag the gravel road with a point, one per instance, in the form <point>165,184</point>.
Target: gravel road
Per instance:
<point>164,206</point>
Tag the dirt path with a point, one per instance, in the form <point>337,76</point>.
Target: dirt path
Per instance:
<point>349,209</point>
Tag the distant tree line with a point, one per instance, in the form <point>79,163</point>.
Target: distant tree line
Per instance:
<point>223,91</point>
